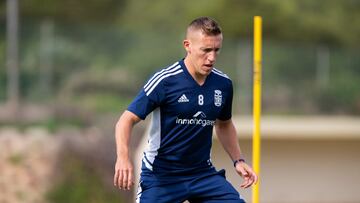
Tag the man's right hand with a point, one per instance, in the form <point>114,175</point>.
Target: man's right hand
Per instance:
<point>124,175</point>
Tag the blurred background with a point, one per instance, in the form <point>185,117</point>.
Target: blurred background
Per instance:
<point>69,69</point>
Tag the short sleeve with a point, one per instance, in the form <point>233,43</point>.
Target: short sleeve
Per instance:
<point>147,100</point>
<point>226,111</point>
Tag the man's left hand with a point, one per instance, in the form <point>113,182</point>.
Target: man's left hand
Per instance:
<point>246,172</point>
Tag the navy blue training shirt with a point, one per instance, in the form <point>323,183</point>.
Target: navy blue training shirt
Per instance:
<point>183,116</point>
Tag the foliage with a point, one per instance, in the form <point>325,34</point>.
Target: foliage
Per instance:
<point>103,51</point>
<point>80,11</point>
<point>2,72</point>
<point>306,21</point>
<point>332,21</point>
<point>103,103</point>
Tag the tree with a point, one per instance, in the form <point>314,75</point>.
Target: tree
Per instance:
<point>12,56</point>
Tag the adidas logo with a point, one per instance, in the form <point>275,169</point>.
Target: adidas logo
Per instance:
<point>183,98</point>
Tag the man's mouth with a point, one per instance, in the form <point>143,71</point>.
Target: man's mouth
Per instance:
<point>208,65</point>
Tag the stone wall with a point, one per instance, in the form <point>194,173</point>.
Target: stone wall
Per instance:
<point>29,159</point>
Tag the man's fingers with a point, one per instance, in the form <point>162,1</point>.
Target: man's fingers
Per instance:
<point>247,174</point>
<point>255,178</point>
<point>243,173</point>
<point>130,181</point>
<point>125,179</point>
<point>120,179</point>
<point>116,176</point>
<point>250,180</point>
<point>248,183</point>
<point>245,182</point>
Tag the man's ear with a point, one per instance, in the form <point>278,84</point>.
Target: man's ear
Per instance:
<point>186,44</point>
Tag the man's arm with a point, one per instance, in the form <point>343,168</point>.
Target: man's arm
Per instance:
<point>124,176</point>
<point>226,133</point>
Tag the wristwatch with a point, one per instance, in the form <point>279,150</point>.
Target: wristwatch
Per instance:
<point>237,161</point>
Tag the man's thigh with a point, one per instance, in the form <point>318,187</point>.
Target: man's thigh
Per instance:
<point>152,192</point>
<point>213,189</point>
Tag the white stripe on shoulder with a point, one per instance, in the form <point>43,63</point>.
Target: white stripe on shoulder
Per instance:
<point>160,79</point>
<point>160,75</point>
<point>159,72</point>
<point>216,71</point>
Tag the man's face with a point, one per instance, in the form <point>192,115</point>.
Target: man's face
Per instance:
<point>202,51</point>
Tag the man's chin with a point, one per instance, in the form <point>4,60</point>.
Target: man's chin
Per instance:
<point>207,70</point>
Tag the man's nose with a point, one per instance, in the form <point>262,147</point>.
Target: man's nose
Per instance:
<point>212,56</point>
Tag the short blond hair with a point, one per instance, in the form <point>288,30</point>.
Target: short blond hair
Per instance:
<point>206,24</point>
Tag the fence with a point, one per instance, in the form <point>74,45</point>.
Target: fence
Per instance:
<point>93,62</point>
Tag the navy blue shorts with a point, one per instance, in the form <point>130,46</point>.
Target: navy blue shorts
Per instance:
<point>209,188</point>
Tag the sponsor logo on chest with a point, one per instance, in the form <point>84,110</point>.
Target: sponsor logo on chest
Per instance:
<point>199,118</point>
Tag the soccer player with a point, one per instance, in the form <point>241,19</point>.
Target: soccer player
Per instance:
<point>187,99</point>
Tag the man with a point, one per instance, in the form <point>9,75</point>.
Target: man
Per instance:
<point>186,99</point>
